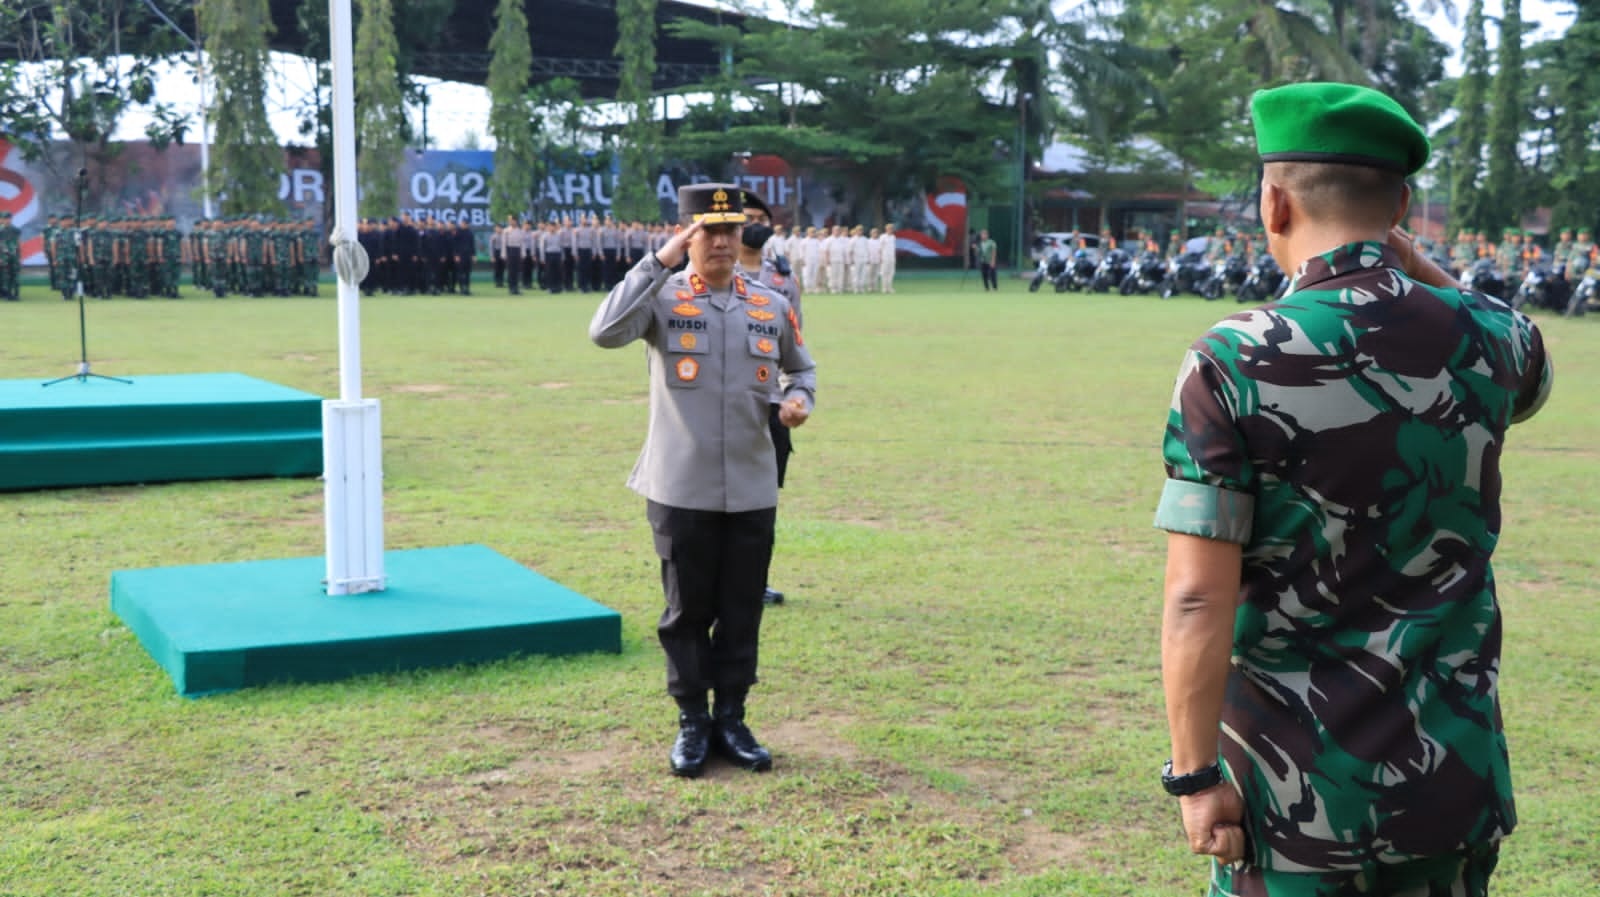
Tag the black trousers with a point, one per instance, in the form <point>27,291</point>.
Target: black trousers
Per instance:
<point>609,274</point>
<point>585,269</point>
<point>713,574</point>
<point>499,269</point>
<point>552,272</point>
<point>991,278</point>
<point>514,269</point>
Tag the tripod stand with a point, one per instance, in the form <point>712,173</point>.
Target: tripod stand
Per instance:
<point>83,373</point>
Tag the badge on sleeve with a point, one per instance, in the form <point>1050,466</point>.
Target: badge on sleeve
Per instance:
<point>794,324</point>
<point>688,369</point>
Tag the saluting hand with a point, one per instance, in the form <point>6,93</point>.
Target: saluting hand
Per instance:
<point>793,413</point>
<point>677,246</point>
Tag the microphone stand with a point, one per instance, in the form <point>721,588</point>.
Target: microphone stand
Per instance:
<point>83,373</point>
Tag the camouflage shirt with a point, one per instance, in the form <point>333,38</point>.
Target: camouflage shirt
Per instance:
<point>1349,438</point>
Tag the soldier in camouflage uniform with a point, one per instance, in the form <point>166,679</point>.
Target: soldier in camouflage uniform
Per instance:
<point>10,259</point>
<point>1508,258</point>
<point>1332,503</point>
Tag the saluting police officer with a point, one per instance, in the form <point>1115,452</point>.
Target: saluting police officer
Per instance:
<point>715,342</point>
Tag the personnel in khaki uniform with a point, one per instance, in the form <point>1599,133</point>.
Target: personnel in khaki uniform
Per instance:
<point>887,258</point>
<point>715,342</point>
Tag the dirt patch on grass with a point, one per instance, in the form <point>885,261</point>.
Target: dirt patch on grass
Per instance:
<point>427,389</point>
<point>614,814</point>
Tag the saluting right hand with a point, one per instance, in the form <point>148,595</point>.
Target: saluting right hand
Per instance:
<point>677,246</point>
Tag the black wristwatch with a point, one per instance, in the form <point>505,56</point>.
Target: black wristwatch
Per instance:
<point>1191,783</point>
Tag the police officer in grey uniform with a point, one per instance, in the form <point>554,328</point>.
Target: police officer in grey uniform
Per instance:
<point>773,272</point>
<point>715,342</point>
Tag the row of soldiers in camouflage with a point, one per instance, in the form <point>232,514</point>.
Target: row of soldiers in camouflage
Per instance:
<point>113,255</point>
<point>254,256</point>
<point>10,259</point>
<point>1517,253</point>
<point>142,257</point>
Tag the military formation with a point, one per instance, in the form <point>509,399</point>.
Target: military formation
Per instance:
<point>141,257</point>
<point>840,259</point>
<point>1517,253</point>
<point>417,256</point>
<point>586,253</point>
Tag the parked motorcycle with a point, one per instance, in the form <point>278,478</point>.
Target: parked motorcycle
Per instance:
<point>1114,266</point>
<point>1148,272</point>
<point>1079,272</point>
<point>1542,289</point>
<point>1485,278</point>
<point>1264,281</point>
<point>1227,275</point>
<point>1587,294</point>
<point>1185,273</point>
<point>1049,268</point>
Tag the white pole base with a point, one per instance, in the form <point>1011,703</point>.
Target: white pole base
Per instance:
<point>352,473</point>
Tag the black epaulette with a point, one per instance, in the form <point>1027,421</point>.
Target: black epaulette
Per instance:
<point>780,263</point>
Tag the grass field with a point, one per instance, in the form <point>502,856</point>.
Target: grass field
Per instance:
<point>962,693</point>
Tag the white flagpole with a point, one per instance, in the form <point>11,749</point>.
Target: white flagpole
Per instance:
<point>351,436</point>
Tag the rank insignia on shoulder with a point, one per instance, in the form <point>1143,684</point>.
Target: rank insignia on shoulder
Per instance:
<point>760,315</point>
<point>687,309</point>
<point>687,369</point>
<point>762,374</point>
<point>738,286</point>
<point>683,295</point>
<point>764,344</point>
<point>698,284</point>
<point>760,300</point>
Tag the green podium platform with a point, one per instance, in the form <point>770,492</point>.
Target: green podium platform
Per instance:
<point>221,627</point>
<point>158,428</point>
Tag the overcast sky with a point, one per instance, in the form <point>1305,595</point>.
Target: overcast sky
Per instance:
<point>459,110</point>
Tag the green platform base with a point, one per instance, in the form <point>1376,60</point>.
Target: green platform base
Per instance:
<point>221,627</point>
<point>159,428</point>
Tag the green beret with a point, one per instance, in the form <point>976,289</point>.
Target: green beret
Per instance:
<point>1343,123</point>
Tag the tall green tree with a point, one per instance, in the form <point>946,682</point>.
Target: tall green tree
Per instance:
<point>1507,118</point>
<point>510,112</point>
<point>641,152</point>
<point>1574,86</point>
<point>380,113</point>
<point>1468,208</point>
<point>77,69</point>
<point>246,157</point>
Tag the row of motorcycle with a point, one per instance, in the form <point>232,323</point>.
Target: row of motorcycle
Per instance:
<point>1542,287</point>
<point>1150,272</point>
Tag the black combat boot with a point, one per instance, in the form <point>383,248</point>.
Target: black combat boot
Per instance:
<point>694,738</point>
<point>732,738</point>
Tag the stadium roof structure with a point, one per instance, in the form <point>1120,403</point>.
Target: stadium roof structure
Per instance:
<point>571,39</point>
